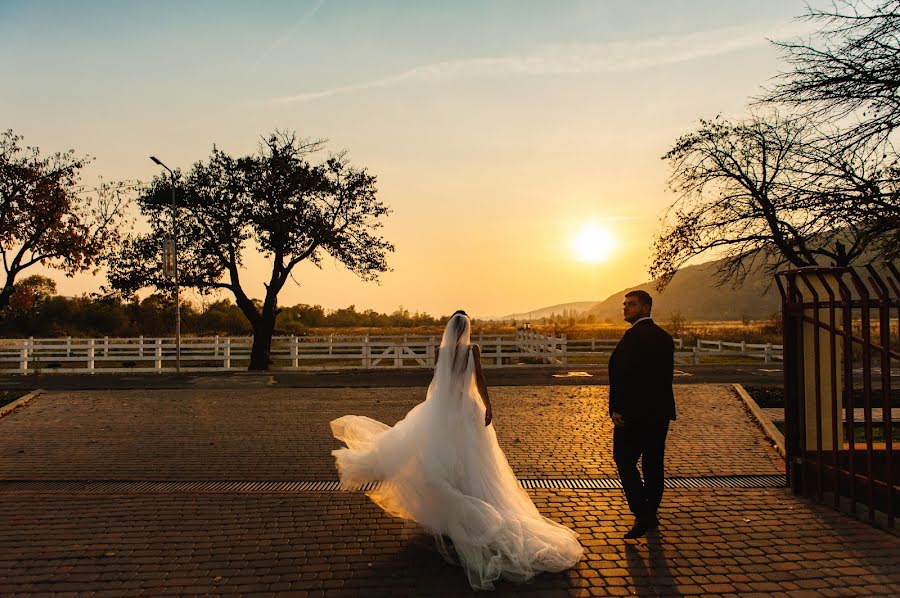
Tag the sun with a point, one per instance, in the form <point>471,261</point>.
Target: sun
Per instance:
<point>593,244</point>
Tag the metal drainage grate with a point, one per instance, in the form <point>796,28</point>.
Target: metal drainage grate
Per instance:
<point>281,487</point>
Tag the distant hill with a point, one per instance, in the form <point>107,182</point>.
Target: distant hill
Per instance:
<point>692,293</point>
<point>575,308</point>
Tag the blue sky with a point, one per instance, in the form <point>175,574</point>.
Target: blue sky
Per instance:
<point>530,119</point>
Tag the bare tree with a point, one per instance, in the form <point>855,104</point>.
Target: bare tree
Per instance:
<point>768,192</point>
<point>290,209</point>
<point>45,218</point>
<point>848,72</point>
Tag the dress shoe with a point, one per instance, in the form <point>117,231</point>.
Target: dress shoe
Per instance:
<point>637,531</point>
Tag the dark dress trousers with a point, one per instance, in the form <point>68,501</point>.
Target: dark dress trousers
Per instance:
<point>640,388</point>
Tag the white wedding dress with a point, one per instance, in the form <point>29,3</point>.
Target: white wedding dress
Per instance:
<point>442,467</point>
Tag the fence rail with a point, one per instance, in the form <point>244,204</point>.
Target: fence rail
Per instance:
<point>198,354</point>
<point>216,353</point>
<point>582,350</point>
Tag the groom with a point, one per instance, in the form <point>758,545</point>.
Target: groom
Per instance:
<point>641,404</point>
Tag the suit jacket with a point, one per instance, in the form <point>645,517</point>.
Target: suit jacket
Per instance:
<point>641,370</point>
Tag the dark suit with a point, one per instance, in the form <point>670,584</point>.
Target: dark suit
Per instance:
<point>640,389</point>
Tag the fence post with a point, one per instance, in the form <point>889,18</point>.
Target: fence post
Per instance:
<point>365,352</point>
<point>565,350</point>
<point>295,360</point>
<point>697,355</point>
<point>398,360</point>
<point>68,346</point>
<point>720,346</point>
<point>227,357</point>
<point>743,347</point>
<point>23,358</point>
<point>105,346</point>
<point>157,354</point>
<point>141,346</point>
<point>216,348</point>
<point>768,353</point>
<point>90,356</point>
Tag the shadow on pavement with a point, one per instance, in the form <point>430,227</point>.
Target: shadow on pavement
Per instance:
<point>649,568</point>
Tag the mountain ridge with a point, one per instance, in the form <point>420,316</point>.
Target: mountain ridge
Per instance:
<point>692,294</point>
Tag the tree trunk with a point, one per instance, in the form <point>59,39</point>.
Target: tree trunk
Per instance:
<point>6,292</point>
<point>262,342</point>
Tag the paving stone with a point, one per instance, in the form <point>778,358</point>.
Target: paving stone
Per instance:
<point>723,541</point>
<point>283,434</point>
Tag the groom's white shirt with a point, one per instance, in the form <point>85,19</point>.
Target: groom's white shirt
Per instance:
<point>640,319</point>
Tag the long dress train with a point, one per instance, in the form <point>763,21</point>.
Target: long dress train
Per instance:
<point>442,467</point>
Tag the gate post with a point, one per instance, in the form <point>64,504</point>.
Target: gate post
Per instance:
<point>813,357</point>
<point>823,366</point>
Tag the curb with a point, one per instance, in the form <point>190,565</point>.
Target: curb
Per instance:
<point>7,409</point>
<point>762,420</point>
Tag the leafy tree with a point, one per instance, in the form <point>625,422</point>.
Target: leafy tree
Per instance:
<point>766,192</point>
<point>45,219</point>
<point>848,71</point>
<point>288,208</point>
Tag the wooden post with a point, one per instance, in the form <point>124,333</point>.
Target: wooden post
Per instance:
<point>697,355</point>
<point>68,346</point>
<point>565,350</point>
<point>90,356</point>
<point>295,359</point>
<point>141,346</point>
<point>23,358</point>
<point>157,354</point>
<point>227,358</point>
<point>768,353</point>
<point>216,348</point>
<point>105,346</point>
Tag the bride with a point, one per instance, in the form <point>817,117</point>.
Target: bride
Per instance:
<point>441,466</point>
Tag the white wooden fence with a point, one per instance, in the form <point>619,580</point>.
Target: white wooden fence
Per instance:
<point>599,349</point>
<point>199,354</point>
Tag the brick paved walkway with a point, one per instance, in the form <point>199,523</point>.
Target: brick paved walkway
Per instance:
<point>716,541</point>
<point>284,435</point>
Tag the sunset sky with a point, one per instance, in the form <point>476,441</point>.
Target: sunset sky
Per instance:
<point>498,130</point>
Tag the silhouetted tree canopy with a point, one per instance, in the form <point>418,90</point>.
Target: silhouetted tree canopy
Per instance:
<point>46,219</point>
<point>768,192</point>
<point>848,71</point>
<point>277,201</point>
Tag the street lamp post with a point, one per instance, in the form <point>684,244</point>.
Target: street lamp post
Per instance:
<point>175,270</point>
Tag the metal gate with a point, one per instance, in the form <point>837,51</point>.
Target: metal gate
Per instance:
<point>841,383</point>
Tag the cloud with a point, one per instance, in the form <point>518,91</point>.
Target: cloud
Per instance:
<point>291,32</point>
<point>576,58</point>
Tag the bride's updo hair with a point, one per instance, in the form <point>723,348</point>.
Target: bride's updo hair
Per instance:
<point>459,324</point>
<point>456,339</point>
